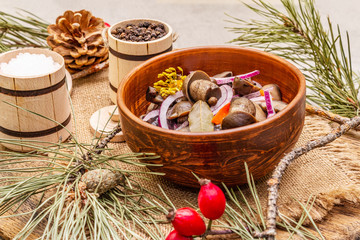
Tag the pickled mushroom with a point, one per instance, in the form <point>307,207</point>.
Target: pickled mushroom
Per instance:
<point>274,91</point>
<point>223,74</point>
<point>181,120</point>
<point>277,105</point>
<point>207,104</point>
<point>244,86</point>
<point>195,75</point>
<point>204,90</point>
<point>152,106</point>
<point>180,109</point>
<point>260,114</point>
<point>241,113</point>
<point>237,119</point>
<point>153,96</point>
<point>241,104</point>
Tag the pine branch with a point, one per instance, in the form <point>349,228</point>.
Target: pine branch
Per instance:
<point>24,30</point>
<point>321,53</point>
<point>74,210</point>
<point>274,181</point>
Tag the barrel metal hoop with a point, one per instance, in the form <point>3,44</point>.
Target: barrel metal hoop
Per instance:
<point>136,57</point>
<point>112,87</point>
<point>33,93</point>
<point>36,133</point>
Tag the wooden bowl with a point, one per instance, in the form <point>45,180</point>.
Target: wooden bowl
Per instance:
<point>218,156</point>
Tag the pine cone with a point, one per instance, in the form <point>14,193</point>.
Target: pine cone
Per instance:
<point>101,180</point>
<point>77,37</point>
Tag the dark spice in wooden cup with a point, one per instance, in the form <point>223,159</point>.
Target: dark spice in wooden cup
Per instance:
<point>140,32</point>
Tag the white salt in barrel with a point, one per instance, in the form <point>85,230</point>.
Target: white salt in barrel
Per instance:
<point>126,55</point>
<point>44,94</point>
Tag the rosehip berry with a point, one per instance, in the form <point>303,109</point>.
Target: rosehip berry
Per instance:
<point>211,200</point>
<point>187,221</point>
<point>174,235</point>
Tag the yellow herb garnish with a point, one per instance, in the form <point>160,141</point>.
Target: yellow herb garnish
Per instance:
<point>171,81</point>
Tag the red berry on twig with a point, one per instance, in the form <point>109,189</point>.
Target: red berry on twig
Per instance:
<point>211,200</point>
<point>187,221</point>
<point>174,235</point>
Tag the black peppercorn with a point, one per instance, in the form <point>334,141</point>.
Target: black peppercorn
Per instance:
<point>141,32</point>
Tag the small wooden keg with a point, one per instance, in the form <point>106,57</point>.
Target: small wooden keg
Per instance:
<point>126,55</point>
<point>45,95</point>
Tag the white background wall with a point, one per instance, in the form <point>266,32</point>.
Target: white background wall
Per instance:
<point>198,22</point>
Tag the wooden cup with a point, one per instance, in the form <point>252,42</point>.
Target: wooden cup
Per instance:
<point>45,95</point>
<point>126,55</point>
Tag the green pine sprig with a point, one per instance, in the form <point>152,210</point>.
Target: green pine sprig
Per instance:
<point>52,180</point>
<point>321,52</point>
<point>22,30</point>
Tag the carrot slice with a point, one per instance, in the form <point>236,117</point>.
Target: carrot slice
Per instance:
<point>217,119</point>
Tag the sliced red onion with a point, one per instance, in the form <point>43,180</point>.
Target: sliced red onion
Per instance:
<point>226,96</point>
<point>165,107</point>
<point>221,81</point>
<point>258,99</point>
<point>152,114</point>
<point>257,84</point>
<point>269,105</point>
<point>183,125</point>
<point>256,94</point>
<point>253,95</point>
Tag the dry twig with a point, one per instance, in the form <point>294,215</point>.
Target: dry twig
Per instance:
<point>274,181</point>
<point>328,115</point>
<point>98,148</point>
<point>92,69</point>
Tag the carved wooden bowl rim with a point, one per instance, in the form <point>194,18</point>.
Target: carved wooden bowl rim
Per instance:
<point>207,135</point>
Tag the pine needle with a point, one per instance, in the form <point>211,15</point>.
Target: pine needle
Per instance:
<point>244,220</point>
<point>22,30</point>
<point>321,52</point>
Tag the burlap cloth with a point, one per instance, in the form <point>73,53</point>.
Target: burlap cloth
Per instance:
<point>330,173</point>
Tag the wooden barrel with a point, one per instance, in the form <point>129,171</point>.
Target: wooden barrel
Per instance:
<point>126,55</point>
<point>45,95</point>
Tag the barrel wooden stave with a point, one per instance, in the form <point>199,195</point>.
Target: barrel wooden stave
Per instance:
<point>45,95</point>
<point>126,55</point>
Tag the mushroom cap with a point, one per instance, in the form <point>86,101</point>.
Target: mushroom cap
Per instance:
<point>241,104</point>
<point>244,86</point>
<point>274,91</point>
<point>195,75</point>
<point>153,96</point>
<point>237,119</point>
<point>260,114</point>
<point>152,106</point>
<point>180,109</point>
<point>204,90</point>
<point>223,74</point>
<point>277,105</point>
